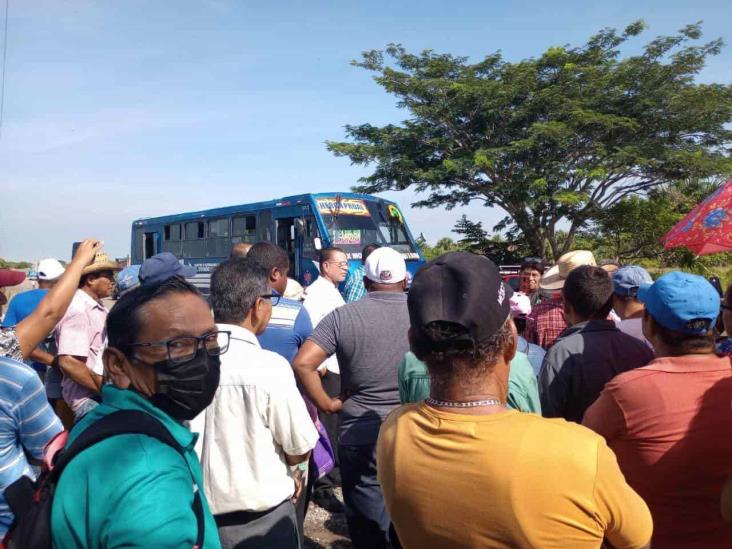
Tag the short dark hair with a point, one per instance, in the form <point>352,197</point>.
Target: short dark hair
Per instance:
<point>326,254</point>
<point>533,263</point>
<point>235,286</point>
<point>270,256</point>
<point>368,249</point>
<point>125,320</point>
<point>680,343</point>
<point>521,324</point>
<point>589,290</point>
<point>443,344</point>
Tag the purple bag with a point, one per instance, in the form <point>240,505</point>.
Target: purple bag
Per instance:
<point>323,458</point>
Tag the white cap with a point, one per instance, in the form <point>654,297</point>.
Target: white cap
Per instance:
<point>520,304</point>
<point>385,266</point>
<point>50,269</point>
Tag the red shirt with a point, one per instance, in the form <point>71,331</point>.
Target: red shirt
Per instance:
<point>548,322</point>
<point>670,424</point>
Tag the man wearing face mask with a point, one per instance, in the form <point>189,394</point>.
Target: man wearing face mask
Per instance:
<point>258,434</point>
<point>133,490</point>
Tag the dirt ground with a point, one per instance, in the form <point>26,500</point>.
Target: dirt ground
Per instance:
<point>325,530</point>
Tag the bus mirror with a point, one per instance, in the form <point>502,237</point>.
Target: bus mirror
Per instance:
<point>299,226</point>
<point>317,244</point>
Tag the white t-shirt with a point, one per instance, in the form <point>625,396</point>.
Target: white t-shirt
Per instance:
<point>256,417</point>
<point>321,298</point>
<point>634,327</point>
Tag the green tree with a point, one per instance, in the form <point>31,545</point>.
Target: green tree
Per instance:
<point>474,237</point>
<point>551,140</point>
<point>442,246</point>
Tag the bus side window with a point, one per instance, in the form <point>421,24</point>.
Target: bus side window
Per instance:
<point>172,232</point>
<point>308,243</point>
<point>195,230</point>
<point>218,228</point>
<point>264,226</point>
<point>245,226</point>
<point>193,244</point>
<point>172,239</point>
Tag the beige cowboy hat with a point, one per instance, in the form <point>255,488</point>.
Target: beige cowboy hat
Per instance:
<point>101,263</point>
<point>554,278</point>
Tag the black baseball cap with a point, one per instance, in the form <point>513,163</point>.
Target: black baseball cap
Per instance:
<point>461,288</point>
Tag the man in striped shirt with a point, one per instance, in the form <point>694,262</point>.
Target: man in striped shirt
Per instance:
<point>27,424</point>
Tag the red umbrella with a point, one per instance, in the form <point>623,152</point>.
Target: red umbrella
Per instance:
<point>707,229</point>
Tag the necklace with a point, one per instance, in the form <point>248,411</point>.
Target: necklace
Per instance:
<point>469,404</point>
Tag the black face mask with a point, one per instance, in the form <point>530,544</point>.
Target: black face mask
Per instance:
<point>185,390</point>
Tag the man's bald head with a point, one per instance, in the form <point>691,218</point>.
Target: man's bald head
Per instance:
<point>240,249</point>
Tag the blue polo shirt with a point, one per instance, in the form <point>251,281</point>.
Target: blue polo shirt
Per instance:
<point>130,490</point>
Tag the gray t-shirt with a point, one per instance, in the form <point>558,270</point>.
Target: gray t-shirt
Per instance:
<point>369,337</point>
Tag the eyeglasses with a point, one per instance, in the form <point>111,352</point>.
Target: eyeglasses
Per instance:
<point>275,297</point>
<point>341,264</point>
<point>184,348</point>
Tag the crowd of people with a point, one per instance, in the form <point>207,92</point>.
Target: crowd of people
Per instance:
<point>592,407</point>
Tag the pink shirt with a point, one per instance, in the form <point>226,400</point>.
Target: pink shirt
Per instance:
<point>80,334</point>
<point>669,424</point>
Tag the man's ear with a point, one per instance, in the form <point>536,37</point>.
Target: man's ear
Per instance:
<point>258,315</point>
<point>510,351</point>
<point>404,285</point>
<point>115,366</point>
<point>274,274</point>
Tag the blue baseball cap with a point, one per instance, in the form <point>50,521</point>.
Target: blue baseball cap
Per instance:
<point>163,266</point>
<point>128,278</point>
<point>627,280</point>
<point>682,302</point>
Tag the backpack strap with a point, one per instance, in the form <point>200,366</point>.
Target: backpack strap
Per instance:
<point>127,422</point>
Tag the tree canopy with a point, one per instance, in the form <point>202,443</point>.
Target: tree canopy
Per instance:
<point>551,140</point>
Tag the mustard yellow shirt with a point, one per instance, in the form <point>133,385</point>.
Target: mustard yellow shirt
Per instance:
<point>504,480</point>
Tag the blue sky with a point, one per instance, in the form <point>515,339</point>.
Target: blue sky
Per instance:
<point>119,110</point>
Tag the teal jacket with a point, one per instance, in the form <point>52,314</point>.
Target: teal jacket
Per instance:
<point>523,389</point>
<point>130,491</point>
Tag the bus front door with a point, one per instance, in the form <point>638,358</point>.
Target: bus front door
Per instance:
<point>150,244</point>
<point>289,222</point>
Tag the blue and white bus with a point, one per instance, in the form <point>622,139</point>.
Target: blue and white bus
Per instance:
<point>301,224</point>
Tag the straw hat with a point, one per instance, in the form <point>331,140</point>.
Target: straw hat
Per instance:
<point>101,263</point>
<point>554,278</point>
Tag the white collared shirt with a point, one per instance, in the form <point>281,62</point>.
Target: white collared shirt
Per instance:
<point>321,298</point>
<point>256,417</point>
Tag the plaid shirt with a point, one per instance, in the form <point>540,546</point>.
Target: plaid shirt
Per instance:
<point>548,322</point>
<point>354,288</point>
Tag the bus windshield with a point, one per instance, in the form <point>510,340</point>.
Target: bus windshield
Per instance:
<point>353,228</point>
